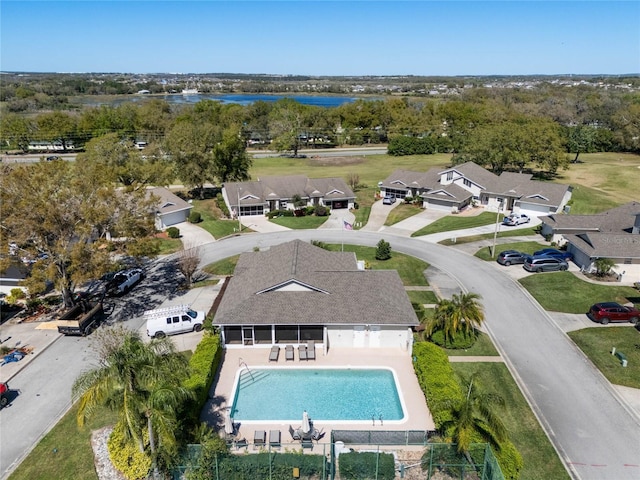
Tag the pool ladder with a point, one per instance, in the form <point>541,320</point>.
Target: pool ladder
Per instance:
<point>243,363</point>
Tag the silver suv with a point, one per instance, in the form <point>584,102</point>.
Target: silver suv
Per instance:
<point>544,264</point>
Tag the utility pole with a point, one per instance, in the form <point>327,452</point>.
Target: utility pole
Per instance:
<point>495,233</point>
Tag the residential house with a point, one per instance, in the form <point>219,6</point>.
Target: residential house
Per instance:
<point>613,234</point>
<point>171,209</point>
<point>455,188</point>
<point>276,193</point>
<point>296,292</point>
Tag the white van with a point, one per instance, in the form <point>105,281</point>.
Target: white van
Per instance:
<point>172,320</point>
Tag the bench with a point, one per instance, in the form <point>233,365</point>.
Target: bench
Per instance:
<point>622,357</point>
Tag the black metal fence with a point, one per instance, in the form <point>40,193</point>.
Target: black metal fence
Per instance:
<point>351,455</point>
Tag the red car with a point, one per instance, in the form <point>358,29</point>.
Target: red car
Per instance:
<point>613,312</point>
<point>4,390</point>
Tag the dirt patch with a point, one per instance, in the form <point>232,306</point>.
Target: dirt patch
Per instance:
<point>334,161</point>
<point>610,277</point>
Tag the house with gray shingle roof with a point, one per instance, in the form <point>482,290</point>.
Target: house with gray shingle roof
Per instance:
<point>170,209</point>
<point>276,193</point>
<point>613,234</point>
<point>455,188</point>
<point>296,292</point>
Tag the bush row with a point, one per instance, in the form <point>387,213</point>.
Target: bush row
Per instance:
<point>357,465</point>
<point>278,466</point>
<point>437,380</point>
<point>203,366</point>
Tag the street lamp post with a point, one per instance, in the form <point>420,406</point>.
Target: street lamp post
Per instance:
<point>495,233</point>
<point>239,220</point>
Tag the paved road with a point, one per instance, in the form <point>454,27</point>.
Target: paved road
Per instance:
<point>595,432</point>
<point>44,384</point>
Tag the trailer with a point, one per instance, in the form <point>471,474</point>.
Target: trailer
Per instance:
<point>81,319</point>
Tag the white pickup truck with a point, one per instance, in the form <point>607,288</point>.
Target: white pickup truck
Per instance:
<point>124,280</point>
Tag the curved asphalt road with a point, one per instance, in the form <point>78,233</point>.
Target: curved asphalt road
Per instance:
<point>596,434</point>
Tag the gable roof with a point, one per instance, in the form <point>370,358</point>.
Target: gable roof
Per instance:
<point>616,220</point>
<point>409,179</point>
<point>329,290</point>
<point>605,235</point>
<point>168,202</point>
<point>258,192</point>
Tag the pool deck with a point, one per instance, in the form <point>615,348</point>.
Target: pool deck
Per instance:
<point>417,417</point>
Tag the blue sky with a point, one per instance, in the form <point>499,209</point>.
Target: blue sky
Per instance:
<point>322,37</point>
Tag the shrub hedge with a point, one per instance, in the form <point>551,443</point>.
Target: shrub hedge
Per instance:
<point>437,380</point>
<point>358,465</point>
<point>173,232</point>
<point>126,456</point>
<point>203,366</point>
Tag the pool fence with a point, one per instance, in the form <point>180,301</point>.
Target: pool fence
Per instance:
<point>349,455</point>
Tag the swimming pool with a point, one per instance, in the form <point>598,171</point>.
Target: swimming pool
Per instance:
<point>329,394</point>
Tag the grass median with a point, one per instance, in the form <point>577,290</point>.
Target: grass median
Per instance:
<point>564,292</point>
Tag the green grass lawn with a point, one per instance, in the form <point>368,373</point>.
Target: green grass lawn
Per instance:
<point>564,292</point>
<point>526,247</point>
<point>212,221</point>
<point>401,212</point>
<point>300,223</point>
<point>540,459</point>
<point>596,343</point>
<point>226,266</point>
<point>168,245</point>
<point>482,348</point>
<point>64,452</point>
<point>521,232</point>
<point>409,268</point>
<point>422,297</point>
<point>456,222</point>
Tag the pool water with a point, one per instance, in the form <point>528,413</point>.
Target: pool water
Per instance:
<point>338,394</point>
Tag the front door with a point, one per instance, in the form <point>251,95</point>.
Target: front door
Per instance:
<point>247,335</point>
<point>359,336</point>
<point>374,336</point>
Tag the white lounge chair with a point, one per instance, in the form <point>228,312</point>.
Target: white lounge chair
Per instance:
<point>274,354</point>
<point>289,352</point>
<point>302,352</point>
<point>311,350</point>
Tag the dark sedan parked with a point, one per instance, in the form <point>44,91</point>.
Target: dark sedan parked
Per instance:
<point>613,312</point>
<point>511,257</point>
<point>552,252</point>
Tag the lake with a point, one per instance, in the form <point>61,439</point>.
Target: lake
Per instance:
<point>327,101</point>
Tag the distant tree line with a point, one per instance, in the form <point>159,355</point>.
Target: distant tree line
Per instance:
<point>498,128</point>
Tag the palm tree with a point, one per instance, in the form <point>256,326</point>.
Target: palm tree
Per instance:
<point>143,383</point>
<point>462,313</point>
<point>474,417</point>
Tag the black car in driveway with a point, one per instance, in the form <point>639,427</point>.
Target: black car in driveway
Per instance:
<point>552,252</point>
<point>511,257</point>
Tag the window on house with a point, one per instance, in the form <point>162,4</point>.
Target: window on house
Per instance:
<point>467,182</point>
<point>449,175</point>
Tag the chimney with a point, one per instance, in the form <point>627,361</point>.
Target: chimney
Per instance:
<point>636,225</point>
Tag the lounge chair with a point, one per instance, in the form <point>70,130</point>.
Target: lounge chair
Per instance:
<point>275,353</point>
<point>288,352</point>
<point>302,352</point>
<point>242,443</point>
<point>311,350</point>
<point>295,434</point>
<point>307,443</point>
<point>259,438</point>
<point>317,434</point>
<point>274,438</point>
